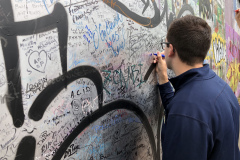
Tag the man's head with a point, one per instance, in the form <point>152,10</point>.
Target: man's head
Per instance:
<point>191,37</point>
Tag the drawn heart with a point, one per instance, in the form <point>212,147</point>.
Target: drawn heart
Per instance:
<point>38,61</point>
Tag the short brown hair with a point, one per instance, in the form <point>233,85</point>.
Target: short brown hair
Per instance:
<point>191,37</point>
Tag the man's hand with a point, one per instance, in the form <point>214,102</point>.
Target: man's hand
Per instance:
<point>237,17</point>
<point>161,68</point>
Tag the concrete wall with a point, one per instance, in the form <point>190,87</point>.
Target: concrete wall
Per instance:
<point>75,79</point>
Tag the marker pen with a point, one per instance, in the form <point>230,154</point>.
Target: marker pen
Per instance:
<point>163,56</point>
<point>152,66</point>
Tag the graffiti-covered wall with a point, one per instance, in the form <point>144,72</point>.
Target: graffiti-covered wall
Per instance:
<point>76,80</point>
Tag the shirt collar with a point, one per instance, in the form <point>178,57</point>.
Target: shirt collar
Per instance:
<point>193,74</point>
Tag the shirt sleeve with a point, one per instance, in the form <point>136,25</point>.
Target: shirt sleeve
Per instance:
<point>166,92</point>
<point>186,139</point>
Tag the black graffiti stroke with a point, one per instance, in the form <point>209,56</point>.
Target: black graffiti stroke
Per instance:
<point>51,91</point>
<point>144,21</point>
<point>118,104</point>
<point>10,30</point>
<point>26,149</point>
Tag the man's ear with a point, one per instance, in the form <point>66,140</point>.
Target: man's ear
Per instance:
<point>172,50</point>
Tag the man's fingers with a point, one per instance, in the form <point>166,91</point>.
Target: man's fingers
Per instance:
<point>154,59</point>
<point>237,13</point>
<point>159,55</point>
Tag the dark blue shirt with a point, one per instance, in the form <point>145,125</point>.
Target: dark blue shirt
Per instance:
<point>201,117</point>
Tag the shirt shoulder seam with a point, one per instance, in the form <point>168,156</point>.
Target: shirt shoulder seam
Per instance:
<point>189,117</point>
<point>220,93</point>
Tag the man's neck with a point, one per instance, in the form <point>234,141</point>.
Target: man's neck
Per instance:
<point>180,67</point>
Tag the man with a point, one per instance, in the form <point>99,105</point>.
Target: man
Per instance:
<point>237,17</point>
<point>202,113</point>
